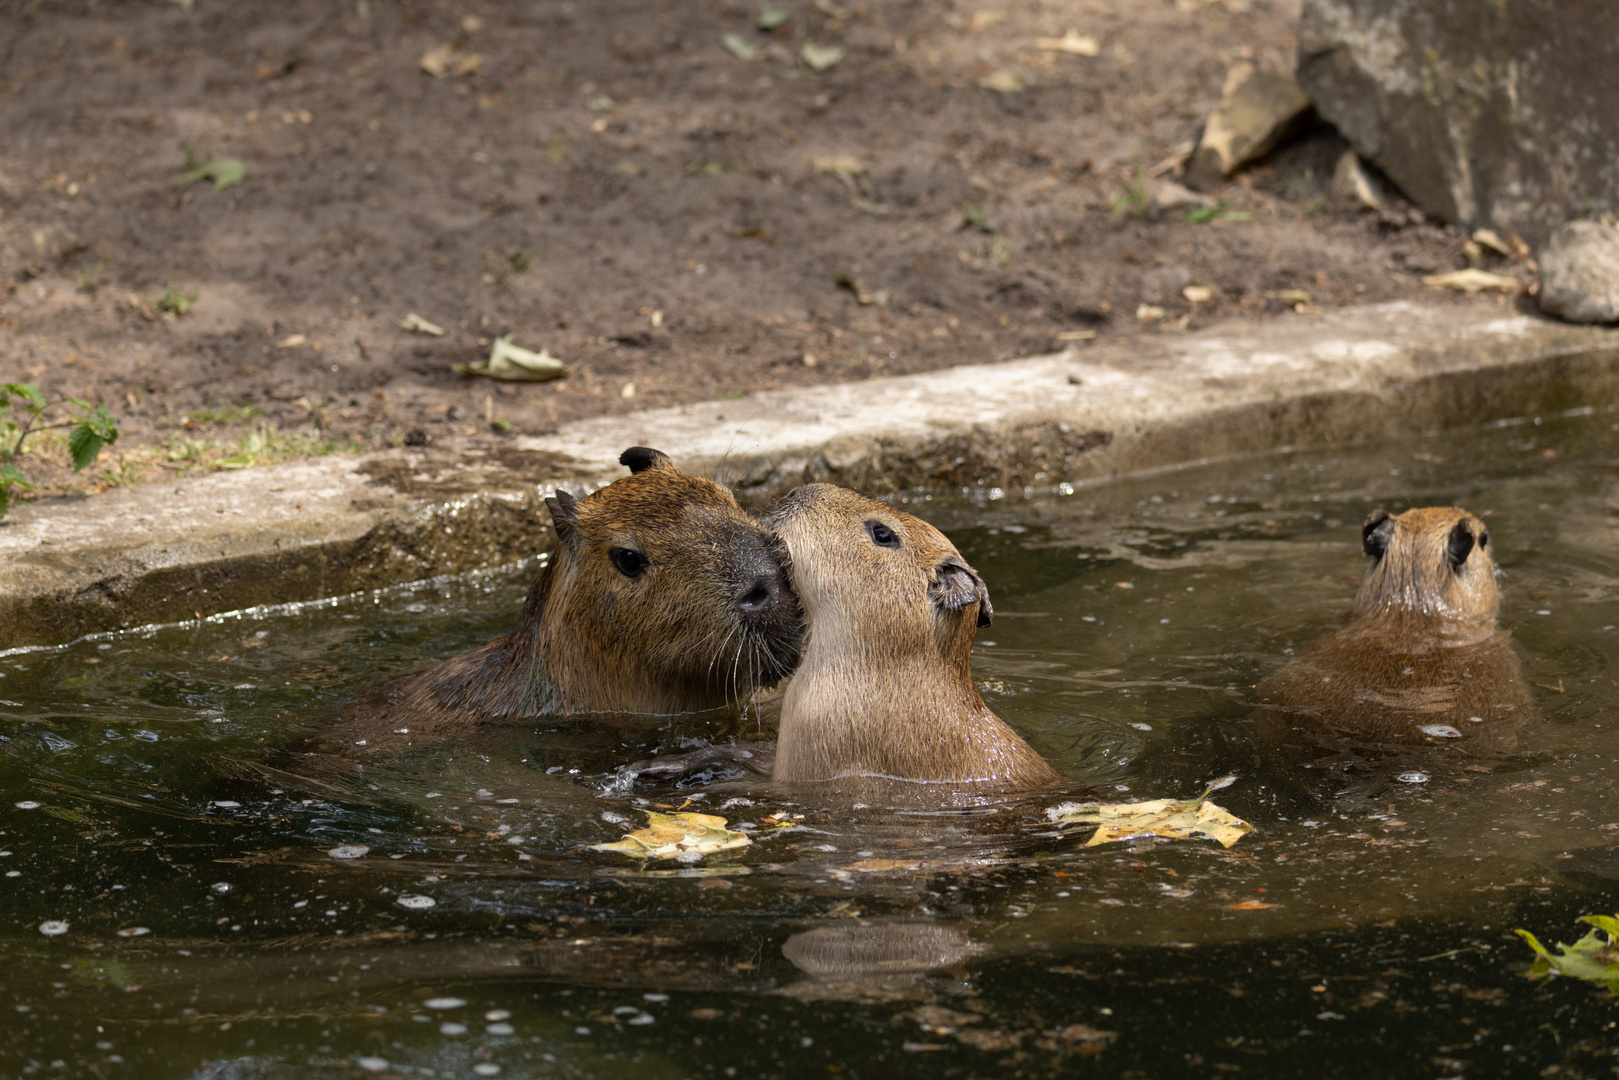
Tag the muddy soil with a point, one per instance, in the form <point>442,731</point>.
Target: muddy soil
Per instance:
<point>605,179</point>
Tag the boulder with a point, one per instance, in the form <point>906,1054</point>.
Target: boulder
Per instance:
<point>1498,114</point>
<point>1579,273</point>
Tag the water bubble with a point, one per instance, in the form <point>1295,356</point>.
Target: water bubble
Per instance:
<point>13,873</point>
<point>53,927</point>
<point>641,1021</point>
<point>226,804</point>
<point>221,887</point>
<point>1439,731</point>
<point>659,997</point>
<point>372,1064</point>
<point>28,804</point>
<point>348,851</point>
<point>486,1068</point>
<point>1142,727</point>
<point>500,1029</point>
<point>1412,777</point>
<point>56,742</point>
<point>441,1004</point>
<point>416,903</point>
<point>625,1010</point>
<point>497,1015</point>
<point>1475,719</point>
<point>452,1029</point>
<point>134,931</point>
<point>613,817</point>
<point>146,736</point>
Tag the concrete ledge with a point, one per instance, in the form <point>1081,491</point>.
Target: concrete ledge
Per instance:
<point>319,528</point>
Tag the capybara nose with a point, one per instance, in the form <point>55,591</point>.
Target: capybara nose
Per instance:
<point>762,593</point>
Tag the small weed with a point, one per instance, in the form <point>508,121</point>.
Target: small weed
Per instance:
<point>1136,200</point>
<point>1298,186</point>
<point>519,261</point>
<point>175,302</point>
<point>502,426</point>
<point>223,415</point>
<point>702,167</point>
<point>975,218</point>
<point>1220,211</point>
<point>87,276</point>
<point>22,408</point>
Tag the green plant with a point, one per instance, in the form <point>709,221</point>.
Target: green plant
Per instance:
<point>1137,198</point>
<point>1220,211</point>
<point>87,276</point>
<point>175,302</point>
<point>224,172</point>
<point>22,408</point>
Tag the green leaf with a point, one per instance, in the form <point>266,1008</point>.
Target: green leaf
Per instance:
<point>101,422</point>
<point>84,444</point>
<point>224,172</point>
<point>1593,958</point>
<point>772,17</point>
<point>25,390</point>
<point>739,47</point>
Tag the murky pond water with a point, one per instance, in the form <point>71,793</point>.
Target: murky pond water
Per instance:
<point>177,904</point>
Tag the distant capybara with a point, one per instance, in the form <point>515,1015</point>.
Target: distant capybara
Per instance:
<point>661,596</point>
<point>885,691</point>
<point>1420,660</point>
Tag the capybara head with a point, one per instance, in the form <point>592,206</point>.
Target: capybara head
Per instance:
<point>884,581</point>
<point>1431,561</point>
<point>672,587</point>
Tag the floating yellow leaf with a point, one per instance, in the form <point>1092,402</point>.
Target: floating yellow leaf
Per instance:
<point>1074,43</point>
<point>677,836</point>
<point>1472,281</point>
<point>1168,818</point>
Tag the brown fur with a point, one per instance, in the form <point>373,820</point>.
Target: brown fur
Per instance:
<point>1421,647</point>
<point>709,617</point>
<point>886,689</point>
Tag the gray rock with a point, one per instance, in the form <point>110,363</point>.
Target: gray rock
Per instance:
<point>1258,106</point>
<point>1579,273</point>
<point>1164,284</point>
<point>1499,114</point>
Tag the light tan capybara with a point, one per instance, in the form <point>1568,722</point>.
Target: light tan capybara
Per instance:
<point>885,690</point>
<point>1420,660</point>
<point>661,596</point>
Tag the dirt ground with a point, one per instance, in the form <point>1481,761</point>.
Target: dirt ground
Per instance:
<point>605,179</point>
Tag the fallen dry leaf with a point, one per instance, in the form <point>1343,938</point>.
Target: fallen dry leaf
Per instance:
<point>820,57</point>
<point>513,363</point>
<point>1074,43</point>
<point>1149,313</point>
<point>1004,81</point>
<point>1250,905</point>
<point>1168,818</point>
<point>418,325</point>
<point>292,341</point>
<point>445,60</point>
<point>838,165</point>
<point>1472,281</point>
<point>677,836</point>
<point>1489,238</point>
<point>1198,294</point>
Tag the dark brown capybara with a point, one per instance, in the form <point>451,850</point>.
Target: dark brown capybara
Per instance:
<point>661,597</point>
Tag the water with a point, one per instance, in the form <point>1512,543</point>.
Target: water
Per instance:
<point>436,916</point>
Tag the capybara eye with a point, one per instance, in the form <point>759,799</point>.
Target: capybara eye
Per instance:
<point>1484,539</point>
<point>882,535</point>
<point>1460,545</point>
<point>629,563</point>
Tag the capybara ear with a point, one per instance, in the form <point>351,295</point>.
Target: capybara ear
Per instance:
<point>955,586</point>
<point>1460,545</point>
<point>1376,533</point>
<point>641,458</point>
<point>565,518</point>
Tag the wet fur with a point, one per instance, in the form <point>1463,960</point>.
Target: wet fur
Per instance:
<point>885,689</point>
<point>591,640</point>
<point>1420,648</point>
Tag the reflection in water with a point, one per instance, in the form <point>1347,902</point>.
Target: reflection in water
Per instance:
<point>303,913</point>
